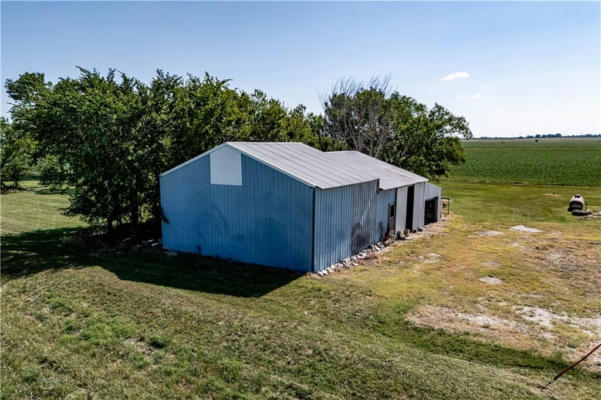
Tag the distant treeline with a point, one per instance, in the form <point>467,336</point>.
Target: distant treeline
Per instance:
<point>541,136</point>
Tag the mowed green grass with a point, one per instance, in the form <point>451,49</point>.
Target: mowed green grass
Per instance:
<point>92,323</point>
<point>574,161</point>
<point>35,208</point>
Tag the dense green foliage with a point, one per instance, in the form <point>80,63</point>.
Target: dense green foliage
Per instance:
<point>110,137</point>
<point>546,161</point>
<point>16,148</point>
<point>395,128</point>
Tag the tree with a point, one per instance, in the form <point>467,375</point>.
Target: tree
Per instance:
<point>426,140</point>
<point>18,145</point>
<point>110,137</point>
<point>394,128</point>
<point>358,115</point>
<point>88,126</point>
<point>15,155</point>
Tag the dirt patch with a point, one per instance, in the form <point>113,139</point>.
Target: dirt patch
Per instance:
<point>548,319</point>
<point>522,228</point>
<point>535,329</point>
<point>139,345</point>
<point>506,331</point>
<point>573,264</point>
<point>451,319</point>
<point>431,229</point>
<point>429,258</point>
<point>491,280</point>
<point>491,264</point>
<point>554,257</point>
<point>489,233</point>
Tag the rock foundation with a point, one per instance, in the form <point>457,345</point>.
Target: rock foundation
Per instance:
<point>353,261</point>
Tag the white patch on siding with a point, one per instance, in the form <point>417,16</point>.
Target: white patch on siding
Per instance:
<point>226,166</point>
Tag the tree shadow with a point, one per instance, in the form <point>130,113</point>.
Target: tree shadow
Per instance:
<point>55,249</point>
<point>5,191</point>
<point>53,190</point>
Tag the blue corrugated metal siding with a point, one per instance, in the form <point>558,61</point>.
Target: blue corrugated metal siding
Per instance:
<point>363,218</point>
<point>267,220</point>
<point>272,219</point>
<point>345,222</point>
<point>385,197</point>
<point>332,226</point>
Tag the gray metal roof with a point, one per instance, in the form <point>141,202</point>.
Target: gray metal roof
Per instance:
<point>389,175</point>
<point>305,163</point>
<point>327,170</point>
<point>321,169</point>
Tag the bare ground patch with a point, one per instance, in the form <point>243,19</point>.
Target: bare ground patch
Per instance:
<point>491,280</point>
<point>542,292</point>
<point>528,330</point>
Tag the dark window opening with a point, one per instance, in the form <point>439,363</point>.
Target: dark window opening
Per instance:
<point>431,211</point>
<point>391,210</point>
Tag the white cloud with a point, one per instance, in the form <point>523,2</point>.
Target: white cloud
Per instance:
<point>455,75</point>
<point>481,97</point>
<point>462,96</point>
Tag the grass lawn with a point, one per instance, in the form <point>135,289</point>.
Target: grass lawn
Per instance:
<point>33,209</point>
<point>79,323</point>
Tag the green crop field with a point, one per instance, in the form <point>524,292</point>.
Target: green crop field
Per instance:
<point>549,161</point>
<point>417,322</point>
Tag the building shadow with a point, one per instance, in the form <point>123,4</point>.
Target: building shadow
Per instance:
<point>55,249</point>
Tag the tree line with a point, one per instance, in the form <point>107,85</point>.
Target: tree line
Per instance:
<point>109,137</point>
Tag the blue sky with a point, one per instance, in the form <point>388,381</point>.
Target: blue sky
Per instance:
<point>510,68</point>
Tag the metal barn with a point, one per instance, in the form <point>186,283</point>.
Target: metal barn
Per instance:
<point>289,205</point>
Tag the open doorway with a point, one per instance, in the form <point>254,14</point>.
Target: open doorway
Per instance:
<point>391,220</point>
<point>431,211</point>
<point>409,214</point>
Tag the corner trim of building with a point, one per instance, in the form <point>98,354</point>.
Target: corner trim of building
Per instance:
<point>313,233</point>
